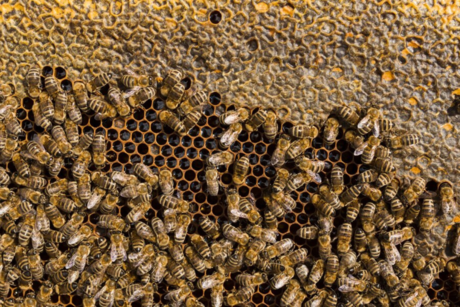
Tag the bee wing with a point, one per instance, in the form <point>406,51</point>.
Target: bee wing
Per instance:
<point>100,292</point>
<point>37,239</point>
<point>138,294</point>
<point>359,151</point>
<point>346,288</point>
<point>376,128</point>
<point>130,72</point>
<point>130,92</point>
<point>316,177</point>
<point>71,262</point>
<point>363,121</point>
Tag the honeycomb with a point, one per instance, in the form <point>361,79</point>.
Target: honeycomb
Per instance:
<point>141,138</point>
<point>309,55</point>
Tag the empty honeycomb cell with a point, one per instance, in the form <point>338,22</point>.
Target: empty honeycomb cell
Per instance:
<point>236,147</point>
<point>183,185</point>
<point>184,164</point>
<point>195,186</point>
<point>347,157</point>
<point>202,121</point>
<point>135,159</point>
<point>213,121</point>
<point>149,138</point>
<point>117,146</point>
<point>206,132</point>
<point>243,136</point>
<point>47,70</point>
<point>261,148</point>
<point>159,161</point>
<point>27,125</point>
<point>357,159</point>
<point>197,165</point>
<point>334,156</point>
<point>263,183</point>
<point>198,142</point>
<point>112,134</point>
<point>166,151</point>
<point>27,103</point>
<point>173,140</point>
<point>192,153</point>
<point>158,104</point>
<point>352,169</point>
<point>257,170</point>
<point>162,139</point>
<point>131,125</point>
<point>204,153</point>
<point>195,131</point>
<point>137,137</point>
<point>156,127</point>
<point>270,171</point>
<point>243,191</point>
<point>94,122</point>
<point>138,114</point>
<point>342,145</point>
<point>211,144</point>
<point>66,85</point>
<point>179,152</point>
<point>255,136</point>
<point>171,162</point>
<point>150,115</point>
<point>317,143</point>
<point>265,160</point>
<point>130,147</point>
<point>251,181</point>
<point>321,154</point>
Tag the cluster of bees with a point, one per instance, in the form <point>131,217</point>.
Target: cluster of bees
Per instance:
<point>385,252</point>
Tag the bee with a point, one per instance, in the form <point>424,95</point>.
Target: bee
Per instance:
<point>354,139</point>
<point>166,182</point>
<point>7,153</point>
<point>60,107</point>
<point>371,192</point>
<point>297,148</point>
<point>25,232</point>
<point>33,81</point>
<point>60,137</point>
<point>81,96</point>
<point>220,158</point>
<point>209,227</point>
<point>12,125</point>
<point>247,207</point>
<point>117,249</point>
<point>235,234</point>
<point>98,82</point>
<point>237,116</point>
<point>332,268</point>
<point>81,165</point>
<point>384,179</point>
<point>349,115</point>
<point>195,260</point>
<point>384,165</point>
<point>117,100</point>
<point>45,292</point>
<point>172,78</point>
<point>392,189</point>
<point>398,210</point>
<point>248,280</point>
<point>279,155</point>
<point>212,181</point>
<point>296,181</point>
<point>51,85</point>
<point>198,100</point>
<point>256,120</point>
<point>344,236</point>
<point>293,287</point>
<point>240,170</point>
<point>330,197</point>
<point>183,221</point>
<point>73,112</point>
<point>279,248</point>
<point>145,173</point>
<point>294,257</point>
<point>217,297</point>
<point>71,130</point>
<point>414,191</point>
<point>168,118</point>
<point>22,167</point>
<point>368,149</point>
<point>159,229</point>
<point>304,131</point>
<point>99,148</point>
<point>306,164</point>
<point>316,273</point>
<point>370,122</point>
<point>266,235</point>
<point>4,177</point>
<point>331,130</point>
<point>171,202</point>
<point>45,108</point>
<point>322,206</point>
<point>446,193</point>
<point>31,195</point>
<point>308,232</point>
<point>270,125</point>
<point>403,141</point>
<point>256,246</point>
<point>230,135</point>
<point>175,96</point>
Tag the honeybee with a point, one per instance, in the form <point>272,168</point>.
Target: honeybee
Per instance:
<point>308,232</point>
<point>256,120</point>
<point>370,122</point>
<point>344,238</point>
<point>403,141</point>
<point>59,136</point>
<point>81,165</point>
<point>212,181</point>
<point>198,100</point>
<point>315,276</point>
<point>209,227</point>
<point>220,158</point>
<point>384,179</point>
<point>384,165</point>
<point>77,262</point>
<point>168,118</point>
<point>73,112</point>
<point>306,164</point>
<point>446,193</point>
<point>71,130</point>
<point>270,125</point>
<point>162,238</point>
<point>256,246</point>
<point>171,202</point>
<point>266,235</point>
<point>331,130</point>
<point>304,131</point>
<point>367,149</point>
<point>235,234</point>
<point>279,155</point>
<point>99,149</point>
<point>98,82</point>
<point>83,233</point>
<point>12,125</point>
<point>144,172</point>
<point>240,170</point>
<point>175,96</point>
<point>279,248</point>
<point>166,182</point>
<point>297,148</point>
<point>172,78</point>
<point>354,139</point>
<point>231,117</point>
<point>332,268</point>
<point>294,257</point>
<point>51,85</point>
<point>371,192</point>
<point>348,114</point>
<point>60,107</point>
<point>296,181</point>
<point>230,135</point>
<point>191,119</point>
<point>81,95</point>
<point>33,81</point>
<point>183,221</point>
<point>117,249</point>
<point>415,190</point>
<point>351,283</point>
